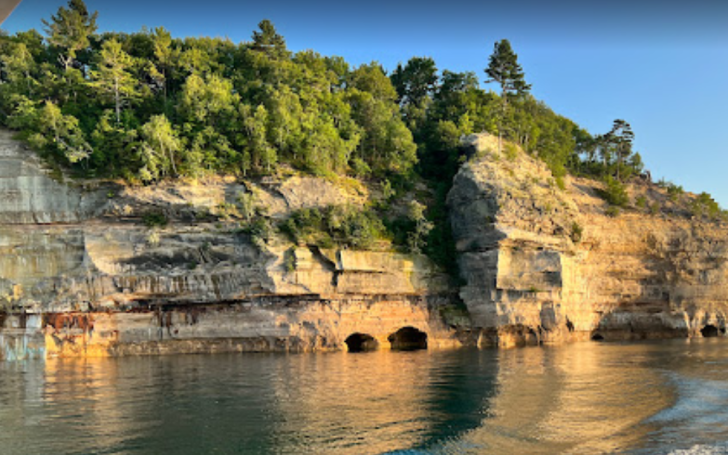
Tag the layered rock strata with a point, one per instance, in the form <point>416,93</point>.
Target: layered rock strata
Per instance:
<point>545,264</point>
<point>82,275</point>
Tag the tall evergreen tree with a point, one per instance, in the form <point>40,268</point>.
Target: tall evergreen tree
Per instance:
<point>623,137</point>
<point>268,40</point>
<point>69,30</point>
<point>503,69</point>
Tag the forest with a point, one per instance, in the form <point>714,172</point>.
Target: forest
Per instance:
<point>146,106</point>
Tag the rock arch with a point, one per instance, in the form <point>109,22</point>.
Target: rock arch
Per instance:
<point>408,339</point>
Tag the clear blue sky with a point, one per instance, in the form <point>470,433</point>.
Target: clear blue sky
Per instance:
<point>660,65</point>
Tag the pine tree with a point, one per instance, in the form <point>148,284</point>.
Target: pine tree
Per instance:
<point>268,40</point>
<point>415,81</point>
<point>503,69</point>
<point>69,30</point>
<point>623,137</point>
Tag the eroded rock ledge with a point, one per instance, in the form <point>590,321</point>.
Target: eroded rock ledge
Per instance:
<point>81,274</point>
<point>543,264</point>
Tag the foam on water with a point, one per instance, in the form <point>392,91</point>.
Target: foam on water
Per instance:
<point>703,450</point>
<point>699,402</point>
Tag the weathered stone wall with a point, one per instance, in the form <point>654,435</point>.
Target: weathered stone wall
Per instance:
<point>81,274</point>
<point>27,193</point>
<point>265,324</point>
<point>544,264</point>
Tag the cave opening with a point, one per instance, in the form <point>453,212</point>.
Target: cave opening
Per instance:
<point>361,342</point>
<point>597,337</point>
<point>709,331</point>
<point>408,339</point>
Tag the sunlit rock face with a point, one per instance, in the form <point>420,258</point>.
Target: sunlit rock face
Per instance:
<point>544,264</point>
<point>82,275</point>
<point>27,193</point>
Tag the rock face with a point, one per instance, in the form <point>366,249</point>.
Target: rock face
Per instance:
<point>27,194</point>
<point>81,274</point>
<point>543,264</point>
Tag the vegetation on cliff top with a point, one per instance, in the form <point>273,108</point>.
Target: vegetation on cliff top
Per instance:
<point>145,106</point>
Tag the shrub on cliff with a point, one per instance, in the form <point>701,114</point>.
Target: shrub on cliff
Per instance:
<point>615,193</point>
<point>343,226</point>
<point>576,232</point>
<point>705,206</point>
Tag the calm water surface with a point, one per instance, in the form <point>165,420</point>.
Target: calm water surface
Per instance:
<point>584,398</point>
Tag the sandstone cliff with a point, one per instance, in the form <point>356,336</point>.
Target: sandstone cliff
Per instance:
<point>82,274</point>
<point>544,264</point>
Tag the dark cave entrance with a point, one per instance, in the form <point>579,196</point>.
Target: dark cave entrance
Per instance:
<point>597,337</point>
<point>361,342</point>
<point>408,339</point>
<point>709,331</point>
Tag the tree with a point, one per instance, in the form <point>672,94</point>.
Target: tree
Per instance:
<point>268,41</point>
<point>371,78</point>
<point>18,66</point>
<point>503,69</point>
<point>70,29</point>
<point>207,101</point>
<point>58,132</point>
<point>113,146</point>
<point>285,112</point>
<point>255,121</point>
<point>113,77</point>
<point>415,81</point>
<point>160,143</point>
<point>417,238</point>
<point>622,136</point>
<point>386,143</point>
<point>166,56</point>
<point>615,149</point>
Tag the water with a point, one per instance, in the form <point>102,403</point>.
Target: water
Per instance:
<point>667,397</point>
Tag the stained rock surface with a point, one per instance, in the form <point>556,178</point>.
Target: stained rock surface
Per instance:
<point>81,274</point>
<point>544,264</point>
<point>104,269</point>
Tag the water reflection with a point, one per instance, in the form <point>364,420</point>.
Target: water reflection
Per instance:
<point>585,398</point>
<point>377,402</point>
<point>590,399</point>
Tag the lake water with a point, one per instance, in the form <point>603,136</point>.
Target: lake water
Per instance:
<point>666,397</point>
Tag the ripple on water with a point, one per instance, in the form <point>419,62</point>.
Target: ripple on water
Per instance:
<point>584,398</point>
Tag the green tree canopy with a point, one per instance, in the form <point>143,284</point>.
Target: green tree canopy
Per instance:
<point>503,69</point>
<point>113,78</point>
<point>416,81</point>
<point>69,30</point>
<point>267,40</point>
